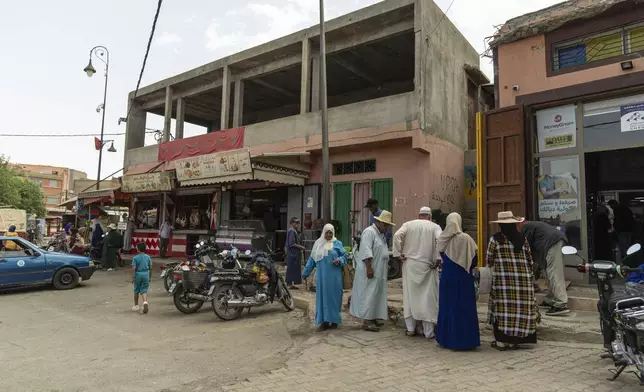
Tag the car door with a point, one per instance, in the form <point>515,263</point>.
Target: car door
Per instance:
<point>17,267</point>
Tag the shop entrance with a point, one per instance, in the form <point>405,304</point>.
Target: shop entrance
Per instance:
<point>614,198</point>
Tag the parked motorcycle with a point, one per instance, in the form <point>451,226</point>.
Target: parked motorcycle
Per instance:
<point>206,252</point>
<point>193,282</point>
<point>242,288</point>
<point>621,314</point>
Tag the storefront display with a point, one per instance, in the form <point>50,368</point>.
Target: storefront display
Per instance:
<point>243,234</point>
<point>147,213</point>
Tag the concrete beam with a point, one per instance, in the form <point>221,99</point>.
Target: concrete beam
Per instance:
<point>238,108</point>
<point>305,83</point>
<point>354,70</point>
<point>168,114</point>
<point>155,103</point>
<point>362,15</point>
<point>181,114</point>
<point>273,87</point>
<point>225,99</point>
<point>370,36</point>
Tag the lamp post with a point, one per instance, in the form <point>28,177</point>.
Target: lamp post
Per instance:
<point>103,55</point>
<point>326,183</point>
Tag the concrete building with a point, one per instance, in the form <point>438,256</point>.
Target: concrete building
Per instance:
<point>399,75</point>
<point>568,135</point>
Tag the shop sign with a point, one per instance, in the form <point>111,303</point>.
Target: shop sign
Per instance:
<point>557,128</point>
<point>558,197</point>
<point>148,182</point>
<point>228,163</point>
<point>632,117</point>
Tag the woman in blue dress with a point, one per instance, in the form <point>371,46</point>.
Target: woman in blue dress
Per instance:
<point>328,256</point>
<point>458,324</point>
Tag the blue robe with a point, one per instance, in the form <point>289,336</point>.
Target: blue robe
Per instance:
<point>293,258</point>
<point>328,285</point>
<point>458,324</point>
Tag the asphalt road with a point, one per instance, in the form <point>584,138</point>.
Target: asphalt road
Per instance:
<point>89,339</point>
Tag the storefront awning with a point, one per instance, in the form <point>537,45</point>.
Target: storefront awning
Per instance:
<point>69,203</point>
<point>217,180</point>
<point>107,196</point>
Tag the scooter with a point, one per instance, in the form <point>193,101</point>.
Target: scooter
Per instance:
<point>621,314</point>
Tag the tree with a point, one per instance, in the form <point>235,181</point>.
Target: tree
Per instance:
<point>18,192</point>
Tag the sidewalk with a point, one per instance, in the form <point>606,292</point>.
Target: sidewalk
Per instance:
<point>578,326</point>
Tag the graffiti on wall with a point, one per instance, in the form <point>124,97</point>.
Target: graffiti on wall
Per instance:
<point>445,195</point>
<point>470,183</point>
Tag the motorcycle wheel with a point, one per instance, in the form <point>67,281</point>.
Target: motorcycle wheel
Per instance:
<point>395,269</point>
<point>225,292</point>
<point>285,296</point>
<point>186,305</point>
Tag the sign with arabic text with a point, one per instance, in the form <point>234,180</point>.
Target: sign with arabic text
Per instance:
<point>218,141</point>
<point>148,182</point>
<point>632,117</point>
<point>220,164</point>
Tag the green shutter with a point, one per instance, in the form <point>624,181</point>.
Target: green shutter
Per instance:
<point>383,191</point>
<point>342,211</point>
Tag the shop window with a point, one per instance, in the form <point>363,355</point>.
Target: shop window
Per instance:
<point>614,123</point>
<point>193,212</point>
<point>147,214</point>
<point>355,167</point>
<point>558,196</point>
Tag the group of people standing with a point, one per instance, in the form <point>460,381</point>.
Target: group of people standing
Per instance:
<point>439,285</point>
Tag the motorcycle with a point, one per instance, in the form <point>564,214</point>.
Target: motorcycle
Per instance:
<point>208,251</point>
<point>57,243</point>
<point>193,282</point>
<point>242,288</point>
<point>621,314</point>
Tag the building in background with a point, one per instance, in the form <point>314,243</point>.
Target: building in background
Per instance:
<point>398,81</point>
<point>569,131</point>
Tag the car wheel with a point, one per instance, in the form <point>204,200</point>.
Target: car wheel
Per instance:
<point>65,279</point>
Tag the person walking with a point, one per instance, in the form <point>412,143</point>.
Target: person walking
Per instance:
<point>327,258</point>
<point>369,294</point>
<point>165,232</point>
<point>293,250</point>
<point>512,309</point>
<point>545,244</point>
<point>415,247</point>
<point>458,323</point>
<point>112,243</point>
<point>141,275</point>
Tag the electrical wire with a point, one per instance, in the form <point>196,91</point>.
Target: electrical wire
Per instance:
<point>145,57</point>
<point>441,20</point>
<point>72,134</point>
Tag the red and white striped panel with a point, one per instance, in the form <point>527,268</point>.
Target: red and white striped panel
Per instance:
<point>176,248</point>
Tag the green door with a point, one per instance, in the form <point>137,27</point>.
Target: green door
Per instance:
<point>342,211</point>
<point>383,191</point>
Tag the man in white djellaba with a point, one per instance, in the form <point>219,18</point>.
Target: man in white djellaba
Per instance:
<point>415,246</point>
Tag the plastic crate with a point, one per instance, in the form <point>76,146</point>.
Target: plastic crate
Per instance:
<point>195,279</point>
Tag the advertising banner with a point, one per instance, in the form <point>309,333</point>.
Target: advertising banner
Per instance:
<point>220,164</point>
<point>557,128</point>
<point>632,117</point>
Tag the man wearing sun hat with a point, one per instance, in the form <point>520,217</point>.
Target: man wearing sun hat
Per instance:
<point>369,295</point>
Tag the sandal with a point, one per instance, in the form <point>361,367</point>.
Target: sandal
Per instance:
<point>323,327</point>
<point>410,333</point>
<point>370,327</point>
<point>378,323</point>
<point>500,348</point>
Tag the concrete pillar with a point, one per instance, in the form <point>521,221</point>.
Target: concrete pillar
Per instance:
<point>225,99</point>
<point>305,87</point>
<point>181,114</point>
<point>238,108</point>
<point>167,121</point>
<point>315,82</point>
<point>135,127</point>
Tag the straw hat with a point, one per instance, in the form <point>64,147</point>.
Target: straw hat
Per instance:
<point>385,217</point>
<point>507,217</point>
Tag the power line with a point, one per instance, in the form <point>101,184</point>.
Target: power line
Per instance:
<point>145,57</point>
<point>150,130</point>
<point>441,20</point>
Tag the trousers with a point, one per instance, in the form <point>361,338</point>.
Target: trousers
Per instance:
<point>421,327</point>
<point>557,295</point>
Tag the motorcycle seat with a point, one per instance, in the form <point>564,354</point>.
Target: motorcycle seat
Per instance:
<point>630,295</point>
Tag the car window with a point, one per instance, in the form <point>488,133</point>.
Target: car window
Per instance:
<point>10,248</point>
<point>12,253</point>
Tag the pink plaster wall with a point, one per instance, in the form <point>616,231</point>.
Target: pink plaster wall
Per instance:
<point>523,63</point>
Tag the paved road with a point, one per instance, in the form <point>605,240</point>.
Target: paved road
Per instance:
<point>353,360</point>
<point>88,339</point>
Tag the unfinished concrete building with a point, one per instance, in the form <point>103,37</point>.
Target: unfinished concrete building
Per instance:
<point>398,78</point>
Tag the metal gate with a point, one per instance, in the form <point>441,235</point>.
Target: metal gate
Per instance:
<point>342,211</point>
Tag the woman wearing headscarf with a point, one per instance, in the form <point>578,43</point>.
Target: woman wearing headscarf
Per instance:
<point>8,244</point>
<point>458,323</point>
<point>512,309</point>
<point>328,257</point>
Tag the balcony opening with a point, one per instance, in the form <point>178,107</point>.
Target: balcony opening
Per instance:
<point>272,96</point>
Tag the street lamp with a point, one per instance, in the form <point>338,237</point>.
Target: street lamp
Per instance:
<point>101,53</point>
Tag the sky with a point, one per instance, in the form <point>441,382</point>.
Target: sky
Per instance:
<point>45,47</point>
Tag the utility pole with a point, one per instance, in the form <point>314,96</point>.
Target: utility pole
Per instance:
<point>326,181</point>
